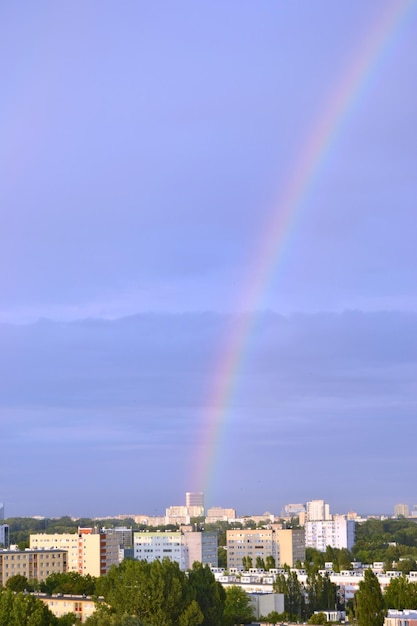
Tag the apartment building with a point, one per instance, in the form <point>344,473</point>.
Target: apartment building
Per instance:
<point>83,607</point>
<point>292,546</point>
<point>218,514</point>
<point>202,547</point>
<point>250,543</point>
<point>90,551</point>
<point>4,536</point>
<point>337,533</point>
<point>34,564</point>
<point>317,510</point>
<point>151,546</point>
<point>182,547</point>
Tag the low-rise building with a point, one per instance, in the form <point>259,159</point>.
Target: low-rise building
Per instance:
<point>82,606</point>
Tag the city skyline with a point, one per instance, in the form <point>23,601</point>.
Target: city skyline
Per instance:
<point>208,252</point>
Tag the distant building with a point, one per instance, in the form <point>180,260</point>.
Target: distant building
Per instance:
<point>194,500</point>
<point>401,510</point>
<point>218,514</point>
<point>293,510</point>
<point>1,511</point>
<point>337,533</point>
<point>34,564</point>
<point>4,536</point>
<point>317,510</point>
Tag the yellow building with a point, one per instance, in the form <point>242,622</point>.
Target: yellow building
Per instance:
<point>34,564</point>
<point>90,551</point>
<point>286,546</point>
<point>60,605</point>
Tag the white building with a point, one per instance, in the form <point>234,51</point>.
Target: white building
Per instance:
<point>184,548</point>
<point>153,546</point>
<point>337,533</point>
<point>317,510</point>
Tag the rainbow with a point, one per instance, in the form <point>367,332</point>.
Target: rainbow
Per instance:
<point>379,41</point>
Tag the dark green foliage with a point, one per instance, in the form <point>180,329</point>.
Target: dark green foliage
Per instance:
<point>157,593</point>
<point>321,593</point>
<point>69,583</point>
<point>209,594</point>
<point>294,600</point>
<point>373,539</point>
<point>18,583</point>
<point>238,607</point>
<point>319,619</point>
<point>370,606</point>
<point>269,562</point>
<point>401,594</point>
<point>24,610</point>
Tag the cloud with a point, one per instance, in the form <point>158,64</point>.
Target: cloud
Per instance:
<point>314,392</point>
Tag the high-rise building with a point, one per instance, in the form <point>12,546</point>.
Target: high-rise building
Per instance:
<point>194,499</point>
<point>195,503</point>
<point>401,510</point>
<point>317,510</point>
<point>337,533</point>
<point>1,511</point>
<point>4,536</point>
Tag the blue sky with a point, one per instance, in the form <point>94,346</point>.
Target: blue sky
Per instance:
<point>145,147</point>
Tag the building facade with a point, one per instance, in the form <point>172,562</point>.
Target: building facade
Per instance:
<point>152,546</point>
<point>90,551</point>
<point>337,533</point>
<point>34,564</point>
<point>317,510</point>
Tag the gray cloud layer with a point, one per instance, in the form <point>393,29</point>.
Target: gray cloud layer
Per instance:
<point>106,414</point>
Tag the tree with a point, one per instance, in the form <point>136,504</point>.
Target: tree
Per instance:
<point>319,619</point>
<point>70,583</point>
<point>370,604</point>
<point>269,562</point>
<point>321,593</point>
<point>156,593</point>
<point>222,557</point>
<point>18,583</point>
<point>247,562</point>
<point>401,594</point>
<point>24,610</point>
<point>260,563</point>
<point>238,607</point>
<point>209,594</point>
<point>294,600</point>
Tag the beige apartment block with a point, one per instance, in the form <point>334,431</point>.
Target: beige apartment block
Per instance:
<point>251,543</point>
<point>292,546</point>
<point>34,564</point>
<point>286,546</point>
<point>90,551</point>
<point>83,607</point>
<point>218,514</point>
